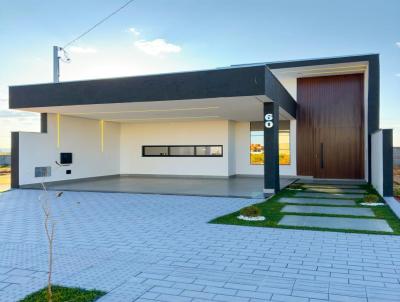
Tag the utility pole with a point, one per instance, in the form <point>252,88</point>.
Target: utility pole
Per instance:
<point>56,64</point>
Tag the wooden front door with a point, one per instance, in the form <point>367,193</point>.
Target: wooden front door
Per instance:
<point>330,127</point>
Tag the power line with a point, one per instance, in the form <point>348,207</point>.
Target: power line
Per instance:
<point>97,24</point>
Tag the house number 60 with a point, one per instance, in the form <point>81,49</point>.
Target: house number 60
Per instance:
<point>269,117</point>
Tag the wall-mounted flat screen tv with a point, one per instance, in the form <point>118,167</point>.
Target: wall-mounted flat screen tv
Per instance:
<point>65,158</point>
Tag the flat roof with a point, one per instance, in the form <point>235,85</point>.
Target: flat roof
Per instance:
<point>237,80</point>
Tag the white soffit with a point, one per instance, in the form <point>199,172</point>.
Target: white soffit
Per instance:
<point>321,70</point>
<point>247,108</point>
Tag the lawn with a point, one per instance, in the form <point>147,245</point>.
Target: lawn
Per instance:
<point>64,294</point>
<point>271,209</point>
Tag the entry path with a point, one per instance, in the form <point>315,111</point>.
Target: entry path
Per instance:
<point>328,205</point>
<point>161,248</point>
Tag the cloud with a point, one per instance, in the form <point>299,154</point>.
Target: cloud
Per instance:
<point>82,50</point>
<point>397,74</point>
<point>157,47</point>
<point>134,31</point>
<point>398,44</point>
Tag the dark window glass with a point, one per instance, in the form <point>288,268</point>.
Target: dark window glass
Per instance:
<point>155,151</point>
<point>181,151</point>
<point>209,150</point>
<point>191,151</point>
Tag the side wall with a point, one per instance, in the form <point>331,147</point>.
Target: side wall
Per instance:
<point>382,161</point>
<point>135,135</point>
<point>77,135</point>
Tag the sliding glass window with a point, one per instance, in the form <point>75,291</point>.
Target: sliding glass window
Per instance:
<point>257,143</point>
<point>183,151</point>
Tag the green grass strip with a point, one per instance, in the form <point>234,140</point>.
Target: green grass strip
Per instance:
<point>271,209</point>
<point>65,294</point>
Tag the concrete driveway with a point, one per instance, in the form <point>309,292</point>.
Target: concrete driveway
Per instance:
<point>160,248</point>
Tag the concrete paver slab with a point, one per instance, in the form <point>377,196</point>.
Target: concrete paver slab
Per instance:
<point>365,224</point>
<point>328,210</point>
<point>330,186</point>
<point>328,195</point>
<point>336,190</point>
<point>322,201</point>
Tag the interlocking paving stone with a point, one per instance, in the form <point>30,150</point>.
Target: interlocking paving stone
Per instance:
<point>328,210</point>
<point>128,244</point>
<point>328,195</point>
<point>335,190</point>
<point>365,224</point>
<point>325,201</point>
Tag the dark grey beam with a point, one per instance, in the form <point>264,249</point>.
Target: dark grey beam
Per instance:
<point>271,148</point>
<point>276,92</point>
<point>230,82</point>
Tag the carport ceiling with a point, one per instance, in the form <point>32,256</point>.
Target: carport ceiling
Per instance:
<point>248,108</point>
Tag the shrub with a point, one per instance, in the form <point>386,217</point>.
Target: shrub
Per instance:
<point>296,186</point>
<point>251,211</point>
<point>371,198</point>
<point>397,191</point>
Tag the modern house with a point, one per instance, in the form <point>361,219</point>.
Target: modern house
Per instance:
<point>316,118</point>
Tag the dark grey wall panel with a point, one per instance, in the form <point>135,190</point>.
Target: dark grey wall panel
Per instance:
<point>177,86</point>
<point>15,160</point>
<point>387,145</point>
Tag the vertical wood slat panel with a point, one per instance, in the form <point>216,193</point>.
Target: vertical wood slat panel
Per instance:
<point>331,112</point>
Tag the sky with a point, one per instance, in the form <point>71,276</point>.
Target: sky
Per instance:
<point>157,36</point>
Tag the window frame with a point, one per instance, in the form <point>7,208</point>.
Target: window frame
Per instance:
<point>193,146</point>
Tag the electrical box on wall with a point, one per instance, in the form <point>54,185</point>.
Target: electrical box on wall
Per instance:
<point>65,158</point>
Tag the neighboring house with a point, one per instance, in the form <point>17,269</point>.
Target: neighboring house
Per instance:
<point>5,159</point>
<point>310,118</point>
<point>396,156</point>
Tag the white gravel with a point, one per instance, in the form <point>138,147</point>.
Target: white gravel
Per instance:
<point>257,218</point>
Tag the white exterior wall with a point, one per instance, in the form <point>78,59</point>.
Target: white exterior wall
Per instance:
<point>135,135</point>
<point>377,161</point>
<point>123,149</point>
<point>77,135</point>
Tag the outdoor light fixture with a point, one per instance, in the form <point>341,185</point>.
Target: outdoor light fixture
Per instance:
<point>58,130</point>
<point>102,135</point>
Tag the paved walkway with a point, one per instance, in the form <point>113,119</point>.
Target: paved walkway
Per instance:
<point>329,205</point>
<point>160,248</point>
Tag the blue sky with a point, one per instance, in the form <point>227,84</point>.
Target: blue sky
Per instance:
<point>170,35</point>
